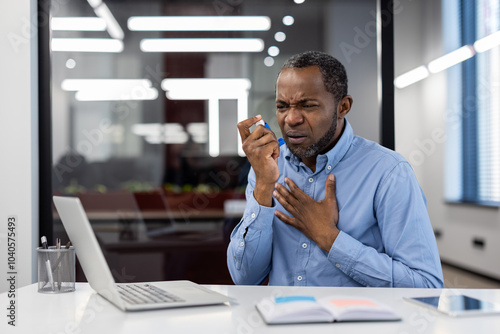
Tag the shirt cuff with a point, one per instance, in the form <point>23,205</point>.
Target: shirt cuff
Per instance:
<point>258,215</point>
<point>345,252</point>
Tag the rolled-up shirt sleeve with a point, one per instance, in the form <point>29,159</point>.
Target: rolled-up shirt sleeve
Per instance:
<point>410,256</point>
<point>250,248</point>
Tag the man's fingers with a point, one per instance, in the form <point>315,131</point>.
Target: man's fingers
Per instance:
<point>276,153</point>
<point>284,218</point>
<point>283,192</point>
<point>283,196</point>
<point>266,139</point>
<point>244,126</point>
<point>296,191</point>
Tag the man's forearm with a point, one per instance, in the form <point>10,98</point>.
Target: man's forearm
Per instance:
<point>369,267</point>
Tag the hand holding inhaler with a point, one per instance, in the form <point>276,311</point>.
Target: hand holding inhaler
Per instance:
<point>262,149</point>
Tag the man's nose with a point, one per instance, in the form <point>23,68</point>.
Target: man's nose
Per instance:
<point>294,116</point>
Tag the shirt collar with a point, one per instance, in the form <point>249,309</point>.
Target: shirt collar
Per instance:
<point>333,156</point>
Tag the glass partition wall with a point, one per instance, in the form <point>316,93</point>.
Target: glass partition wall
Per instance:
<point>146,96</point>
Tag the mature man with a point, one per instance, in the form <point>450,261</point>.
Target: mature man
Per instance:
<point>328,208</point>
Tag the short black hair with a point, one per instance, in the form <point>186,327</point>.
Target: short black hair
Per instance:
<point>332,70</point>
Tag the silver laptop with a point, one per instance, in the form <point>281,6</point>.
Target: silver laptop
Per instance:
<point>131,296</point>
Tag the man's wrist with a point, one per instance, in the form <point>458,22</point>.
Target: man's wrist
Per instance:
<point>263,194</point>
<point>330,239</point>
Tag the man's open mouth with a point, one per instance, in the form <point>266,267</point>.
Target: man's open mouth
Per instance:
<point>296,138</point>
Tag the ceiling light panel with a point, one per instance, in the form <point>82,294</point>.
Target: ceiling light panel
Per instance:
<point>77,24</point>
<point>202,45</point>
<point>86,45</point>
<point>199,23</point>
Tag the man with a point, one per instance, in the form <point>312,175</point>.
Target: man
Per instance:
<point>328,208</point>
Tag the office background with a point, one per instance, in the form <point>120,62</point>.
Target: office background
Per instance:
<point>467,234</point>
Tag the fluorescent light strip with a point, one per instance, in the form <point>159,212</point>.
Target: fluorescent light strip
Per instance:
<point>198,131</point>
<point>86,45</point>
<point>450,59</point>
<point>213,128</point>
<point>94,3</point>
<point>212,90</point>
<point>150,129</point>
<point>156,133</point>
<point>202,45</point>
<point>199,23</point>
<point>411,77</point>
<point>182,138</point>
<point>77,24</point>
<point>112,26</point>
<point>242,115</point>
<point>87,84</point>
<point>114,29</point>
<point>205,89</point>
<point>111,89</point>
<point>143,94</point>
<point>488,42</point>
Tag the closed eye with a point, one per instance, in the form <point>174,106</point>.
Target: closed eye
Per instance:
<point>309,106</point>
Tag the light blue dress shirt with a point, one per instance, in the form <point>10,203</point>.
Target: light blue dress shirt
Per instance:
<point>386,238</point>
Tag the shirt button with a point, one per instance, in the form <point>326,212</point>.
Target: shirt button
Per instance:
<point>337,265</point>
<point>329,167</point>
<point>242,244</point>
<point>299,278</point>
<point>311,180</point>
<point>304,245</point>
<point>253,215</point>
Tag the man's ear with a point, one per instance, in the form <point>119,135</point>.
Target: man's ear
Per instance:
<point>344,106</point>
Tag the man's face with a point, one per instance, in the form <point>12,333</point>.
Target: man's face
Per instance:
<point>306,112</point>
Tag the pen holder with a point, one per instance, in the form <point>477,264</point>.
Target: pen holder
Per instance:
<point>56,270</point>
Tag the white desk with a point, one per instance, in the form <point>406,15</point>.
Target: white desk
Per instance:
<point>85,312</point>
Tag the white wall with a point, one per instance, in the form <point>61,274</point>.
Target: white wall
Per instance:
<point>421,114</point>
<point>19,136</point>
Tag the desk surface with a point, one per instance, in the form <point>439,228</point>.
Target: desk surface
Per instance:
<point>85,312</point>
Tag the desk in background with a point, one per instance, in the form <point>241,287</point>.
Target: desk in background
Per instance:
<point>195,249</point>
<point>85,312</point>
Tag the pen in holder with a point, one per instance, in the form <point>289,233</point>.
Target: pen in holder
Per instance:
<point>56,269</point>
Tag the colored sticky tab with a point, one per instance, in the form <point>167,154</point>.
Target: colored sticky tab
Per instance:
<point>352,302</point>
<point>289,299</point>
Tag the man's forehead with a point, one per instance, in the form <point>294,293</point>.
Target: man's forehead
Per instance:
<point>300,83</point>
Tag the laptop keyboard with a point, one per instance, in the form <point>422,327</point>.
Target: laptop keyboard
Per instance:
<point>145,294</point>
